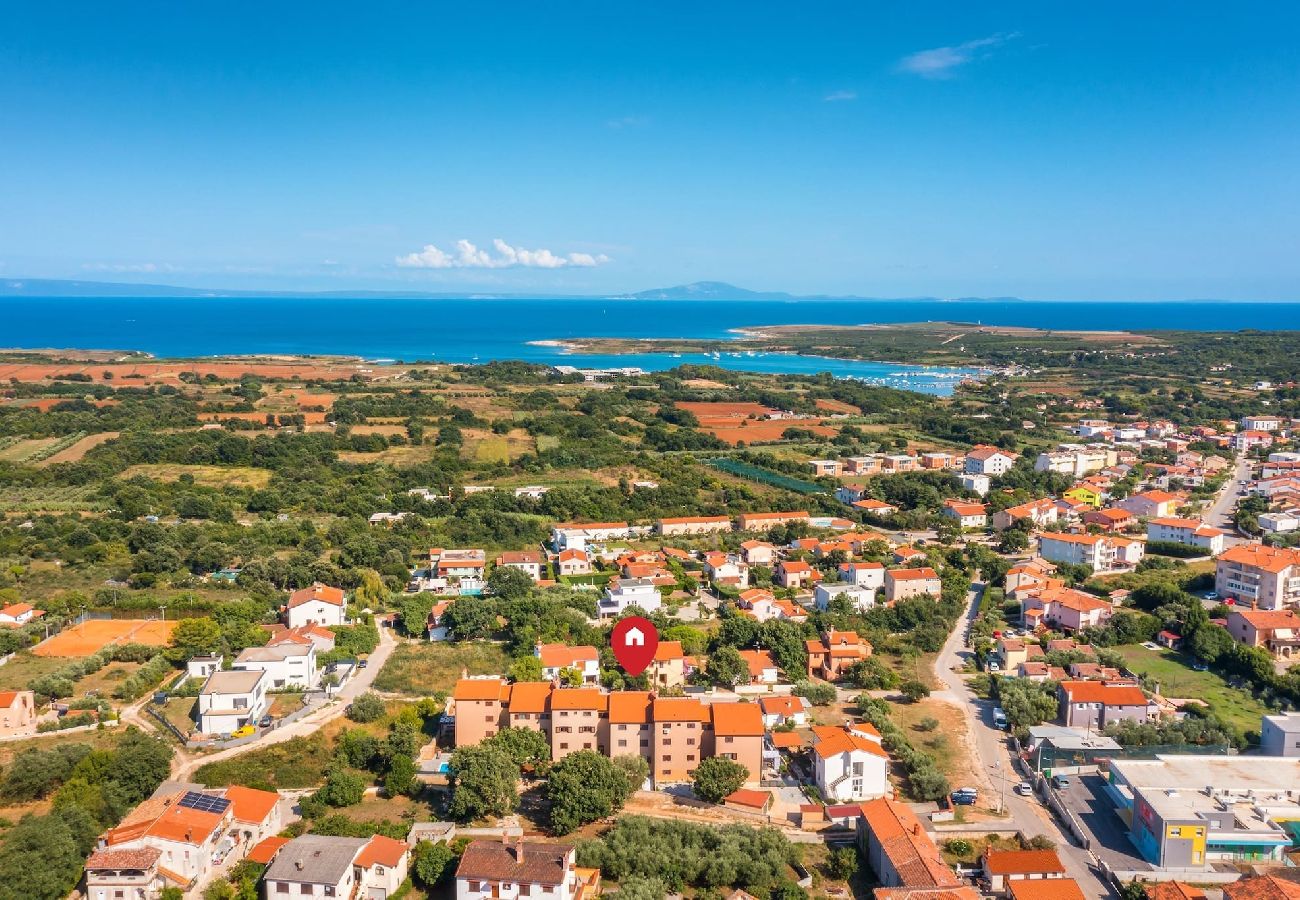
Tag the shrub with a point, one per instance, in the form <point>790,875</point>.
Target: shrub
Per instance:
<point>366,708</point>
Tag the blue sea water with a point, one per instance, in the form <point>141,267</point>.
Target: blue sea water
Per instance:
<point>478,330</point>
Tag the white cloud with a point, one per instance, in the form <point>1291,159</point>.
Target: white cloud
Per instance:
<point>840,96</point>
<point>469,256</point>
<point>941,61</point>
<point>627,122</point>
<point>129,267</point>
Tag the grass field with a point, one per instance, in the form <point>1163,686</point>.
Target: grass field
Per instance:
<point>208,476</point>
<point>1179,680</point>
<point>393,456</point>
<point>76,451</point>
<point>419,669</point>
<point>21,451</point>
<point>486,446</point>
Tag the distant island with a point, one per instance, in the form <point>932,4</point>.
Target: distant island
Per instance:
<point>698,290</point>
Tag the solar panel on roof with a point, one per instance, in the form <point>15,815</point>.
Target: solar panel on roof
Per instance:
<point>204,802</point>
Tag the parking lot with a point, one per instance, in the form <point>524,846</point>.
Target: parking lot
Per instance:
<point>1085,796</point>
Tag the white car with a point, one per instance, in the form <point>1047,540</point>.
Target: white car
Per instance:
<point>1024,789</point>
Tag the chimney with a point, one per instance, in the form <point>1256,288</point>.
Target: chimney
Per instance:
<point>298,865</point>
<point>464,673</point>
<point>519,849</point>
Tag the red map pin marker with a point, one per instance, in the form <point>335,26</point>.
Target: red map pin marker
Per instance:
<point>634,641</point>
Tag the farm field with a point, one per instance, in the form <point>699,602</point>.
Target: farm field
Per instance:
<point>76,451</point>
<point>208,476</point>
<point>23,449</point>
<point>95,634</point>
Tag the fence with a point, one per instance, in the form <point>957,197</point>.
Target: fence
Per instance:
<point>754,473</point>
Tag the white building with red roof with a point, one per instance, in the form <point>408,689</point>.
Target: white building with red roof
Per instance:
<point>318,604</point>
<point>849,763</point>
<point>555,658</point>
<point>986,460</point>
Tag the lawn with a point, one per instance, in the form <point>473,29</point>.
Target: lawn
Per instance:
<point>207,476</point>
<point>297,763</point>
<point>180,712</point>
<point>1179,680</point>
<point>950,743</point>
<point>420,669</point>
<point>19,671</point>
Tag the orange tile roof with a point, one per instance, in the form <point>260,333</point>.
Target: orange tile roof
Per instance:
<point>750,798</point>
<point>737,720</point>
<point>833,741</point>
<point>530,696</point>
<point>1100,692</point>
<point>1022,862</point>
<point>1158,496</point>
<point>984,452</point>
<point>1259,619</point>
<point>264,851</point>
<point>668,651</point>
<point>481,689</point>
<point>138,858</point>
<point>794,566</point>
<point>563,656</point>
<point>317,591</point>
<point>629,707</point>
<point>758,661</point>
<point>680,709</point>
<point>382,851</point>
<point>7,698</point>
<point>780,706</point>
<point>910,850</point>
<point>786,740</point>
<point>1262,887</point>
<point>1045,889</point>
<point>579,698</point>
<point>1260,556</point>
<point>1173,890</point>
<point>251,805</point>
<point>922,574</point>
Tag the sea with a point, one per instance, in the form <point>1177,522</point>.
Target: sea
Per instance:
<point>479,330</point>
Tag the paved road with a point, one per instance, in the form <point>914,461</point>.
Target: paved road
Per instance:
<point>1219,513</point>
<point>994,755</point>
<point>184,763</point>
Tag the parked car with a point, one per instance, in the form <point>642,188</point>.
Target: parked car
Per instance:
<point>993,666</point>
<point>1024,789</point>
<point>265,722</point>
<point>964,796</point>
<point>999,718</point>
<point>1060,782</point>
<point>1200,666</point>
<point>243,731</point>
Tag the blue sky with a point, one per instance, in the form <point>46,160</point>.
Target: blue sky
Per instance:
<point>1107,151</point>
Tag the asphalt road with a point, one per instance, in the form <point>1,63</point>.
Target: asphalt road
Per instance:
<point>1219,513</point>
<point>993,752</point>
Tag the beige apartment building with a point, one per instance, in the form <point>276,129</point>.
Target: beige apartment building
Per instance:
<point>674,734</point>
<point>1258,574</point>
<point>686,525</point>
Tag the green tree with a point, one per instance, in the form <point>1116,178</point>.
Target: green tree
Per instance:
<point>914,689</point>
<point>583,787</point>
<point>368,707</point>
<point>468,618</point>
<point>843,863</point>
<point>524,746</point>
<point>39,859</point>
<point>727,667</point>
<point>639,887</point>
<point>401,777</point>
<point>717,777</point>
<point>431,862</point>
<point>526,668</point>
<point>510,583</point>
<point>343,787</point>
<point>196,637</point>
<point>484,782</point>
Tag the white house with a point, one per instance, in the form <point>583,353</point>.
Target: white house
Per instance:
<point>527,561</point>
<point>185,828</point>
<point>435,628</point>
<point>202,666</point>
<point>849,763</point>
<point>972,482</point>
<point>863,574</point>
<point>579,534</point>
<point>557,657</point>
<point>514,869</point>
<point>19,614</point>
<point>285,665</point>
<point>231,700</point>
<point>862,598</point>
<point>316,865</point>
<point>625,592</point>
<point>986,460</point>
<point>381,867</point>
<point>1097,551</point>
<point>573,561</point>
<point>783,709</point>
<point>319,604</point>
<point>1191,532</point>
<point>967,514</point>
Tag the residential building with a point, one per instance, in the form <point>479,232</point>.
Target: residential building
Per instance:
<point>478,709</point>
<point>630,726</point>
<point>16,614</point>
<point>319,604</point>
<point>1197,811</point>
<point>579,534</point>
<point>875,507</point>
<point>680,728</point>
<point>1112,519</point>
<point>1064,608</point>
<point>1002,868</point>
<point>1097,551</point>
<point>1074,460</point>
<point>1087,494</point>
<point>668,669</point>
<point>1190,532</point>
<point>849,764</point>
<point>901,854</point>
<point>782,710</point>
<point>834,653</point>
<point>1038,513</point>
<point>688,525</point>
<point>134,873</point>
<point>862,465</point>
<point>286,665</point>
<point>986,460</point>
<point>17,713</point>
<point>435,628</point>
<point>899,462</point>
<point>230,700</point>
<point>726,569</point>
<point>527,561</point>
<point>764,521</point>
<point>762,667</point>
<point>381,867</point>
<point>573,561</point>
<point>860,597</point>
<point>978,483</point>
<point>579,721</point>
<point>1260,423</point>
<point>968,515</point>
<point>1152,504</point>
<point>555,658</point>
<point>624,593</point>
<point>1276,630</point>
<point>516,869</point>
<point>1268,577</point>
<point>937,460</point>
<point>863,574</point>
<point>902,584</point>
<point>317,865</point>
<point>458,565</point>
<point>757,553</point>
<point>794,573</point>
<point>829,468</point>
<point>1262,887</point>
<point>850,493</point>
<point>1095,704</point>
<point>318,636</point>
<point>737,735</point>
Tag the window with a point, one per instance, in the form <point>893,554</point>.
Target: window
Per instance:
<point>305,889</point>
<point>622,743</point>
<point>690,757</point>
<point>282,887</point>
<point>329,890</point>
<point>690,742</point>
<point>564,746</point>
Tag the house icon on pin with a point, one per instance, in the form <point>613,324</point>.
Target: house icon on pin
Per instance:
<point>634,638</point>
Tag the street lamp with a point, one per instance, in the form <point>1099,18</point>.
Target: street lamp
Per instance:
<point>1002,801</point>
<point>162,610</point>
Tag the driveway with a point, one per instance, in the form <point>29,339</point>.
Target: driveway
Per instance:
<point>994,756</point>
